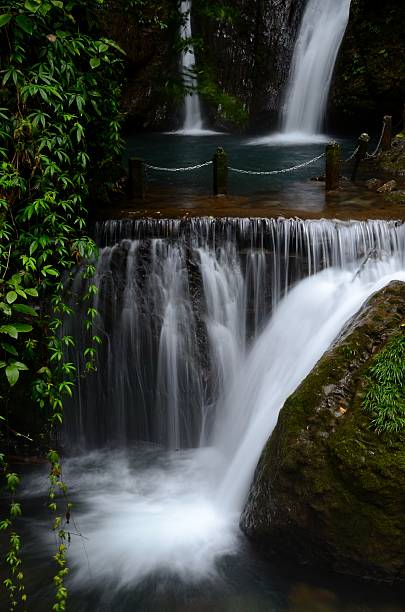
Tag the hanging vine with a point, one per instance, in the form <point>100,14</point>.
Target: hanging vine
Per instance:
<point>59,142</point>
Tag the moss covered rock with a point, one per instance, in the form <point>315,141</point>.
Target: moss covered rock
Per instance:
<point>328,489</point>
<point>393,161</point>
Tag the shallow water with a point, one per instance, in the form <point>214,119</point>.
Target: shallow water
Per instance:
<point>178,151</point>
<point>115,566</point>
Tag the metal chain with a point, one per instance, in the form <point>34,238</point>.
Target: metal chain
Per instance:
<point>311,161</point>
<point>208,163</point>
<point>352,156</point>
<point>370,156</point>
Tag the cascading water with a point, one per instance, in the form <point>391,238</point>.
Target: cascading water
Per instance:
<point>319,39</point>
<point>194,360</point>
<point>323,27</point>
<point>193,123</point>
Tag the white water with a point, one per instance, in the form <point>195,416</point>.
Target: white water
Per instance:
<point>193,123</point>
<point>177,513</point>
<point>319,39</point>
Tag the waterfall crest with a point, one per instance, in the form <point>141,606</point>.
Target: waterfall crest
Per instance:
<point>322,29</point>
<point>180,304</point>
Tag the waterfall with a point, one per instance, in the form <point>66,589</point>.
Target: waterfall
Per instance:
<point>320,36</point>
<point>193,123</point>
<point>180,302</point>
<point>208,326</point>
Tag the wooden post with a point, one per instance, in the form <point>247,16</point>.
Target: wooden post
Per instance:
<point>387,134</point>
<point>220,172</point>
<point>332,170</point>
<point>364,139</point>
<point>136,178</point>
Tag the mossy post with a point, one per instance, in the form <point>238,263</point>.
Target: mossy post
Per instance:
<point>332,170</point>
<point>220,163</point>
<point>136,178</point>
<point>362,147</point>
<point>387,134</point>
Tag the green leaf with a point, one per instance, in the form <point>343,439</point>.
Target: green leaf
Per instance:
<point>25,309</point>
<point>95,62</point>
<point>11,330</point>
<point>32,292</point>
<point>11,297</point>
<point>9,348</point>
<point>32,6</point>
<point>12,374</point>
<point>19,365</point>
<point>4,19</point>
<point>15,509</point>
<point>24,23</point>
<point>22,327</point>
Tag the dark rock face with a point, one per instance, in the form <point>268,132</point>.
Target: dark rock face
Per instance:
<point>150,96</point>
<point>370,75</point>
<point>250,57</point>
<point>329,490</point>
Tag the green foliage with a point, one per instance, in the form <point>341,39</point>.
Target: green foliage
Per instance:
<point>144,13</point>
<point>217,10</point>
<point>229,108</point>
<point>385,387</point>
<point>59,141</point>
<point>60,133</point>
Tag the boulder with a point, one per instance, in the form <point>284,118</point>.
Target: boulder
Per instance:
<point>387,187</point>
<point>373,184</point>
<point>329,489</point>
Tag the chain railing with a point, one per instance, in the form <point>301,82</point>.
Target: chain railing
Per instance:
<point>186,169</point>
<point>137,167</point>
<point>272,172</point>
<point>352,156</point>
<point>378,147</point>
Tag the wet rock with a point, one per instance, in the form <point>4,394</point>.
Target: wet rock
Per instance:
<point>387,187</point>
<point>393,161</point>
<point>249,57</point>
<point>328,489</point>
<point>374,184</point>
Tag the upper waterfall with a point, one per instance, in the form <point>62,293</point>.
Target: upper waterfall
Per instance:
<point>322,29</point>
<point>193,123</point>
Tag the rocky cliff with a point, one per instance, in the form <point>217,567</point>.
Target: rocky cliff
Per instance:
<point>244,51</point>
<point>329,489</point>
<point>249,56</point>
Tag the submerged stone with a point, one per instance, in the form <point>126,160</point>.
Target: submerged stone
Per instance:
<point>328,489</point>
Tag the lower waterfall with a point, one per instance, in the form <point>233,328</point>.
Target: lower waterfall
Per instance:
<point>209,325</point>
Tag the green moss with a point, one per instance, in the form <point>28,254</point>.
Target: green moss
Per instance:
<point>328,485</point>
<point>384,397</point>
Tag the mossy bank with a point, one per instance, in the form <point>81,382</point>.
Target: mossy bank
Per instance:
<point>329,489</point>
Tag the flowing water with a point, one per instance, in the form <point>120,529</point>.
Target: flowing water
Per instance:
<point>319,39</point>
<point>193,123</point>
<point>320,36</point>
<point>209,325</point>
